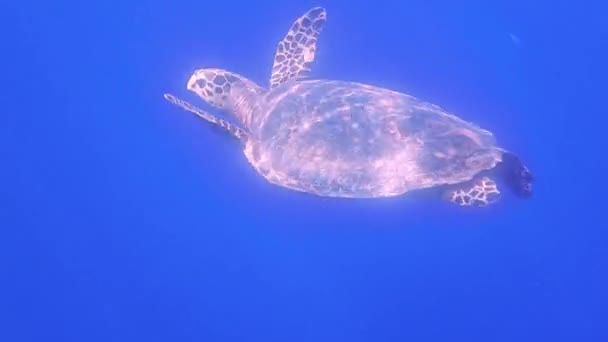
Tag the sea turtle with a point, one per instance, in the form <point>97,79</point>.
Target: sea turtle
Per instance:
<point>351,140</point>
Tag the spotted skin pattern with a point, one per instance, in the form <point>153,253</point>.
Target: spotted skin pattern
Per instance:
<point>296,51</point>
<point>227,91</point>
<point>482,193</point>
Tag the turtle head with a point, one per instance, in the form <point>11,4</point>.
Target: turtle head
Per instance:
<point>516,175</point>
<point>227,91</point>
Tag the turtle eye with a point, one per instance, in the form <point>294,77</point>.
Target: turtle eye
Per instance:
<point>201,83</point>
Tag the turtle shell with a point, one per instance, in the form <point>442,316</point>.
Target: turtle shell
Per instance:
<point>345,139</point>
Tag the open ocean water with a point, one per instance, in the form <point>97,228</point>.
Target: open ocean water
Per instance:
<point>124,218</point>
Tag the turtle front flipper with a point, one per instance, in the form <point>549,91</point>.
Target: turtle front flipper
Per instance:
<point>296,51</point>
<point>232,129</point>
<point>478,193</point>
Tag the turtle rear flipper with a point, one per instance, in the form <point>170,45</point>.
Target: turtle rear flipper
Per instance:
<point>517,175</point>
<point>478,193</point>
<point>232,129</point>
<point>296,51</point>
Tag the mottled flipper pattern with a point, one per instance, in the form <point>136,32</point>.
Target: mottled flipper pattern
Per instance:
<point>479,194</point>
<point>232,129</point>
<point>296,51</point>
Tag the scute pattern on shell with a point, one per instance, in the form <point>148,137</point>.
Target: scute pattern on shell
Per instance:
<point>344,139</point>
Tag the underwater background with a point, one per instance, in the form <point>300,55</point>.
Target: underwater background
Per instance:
<point>124,218</point>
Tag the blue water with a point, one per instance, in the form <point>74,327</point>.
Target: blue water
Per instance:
<point>124,218</point>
